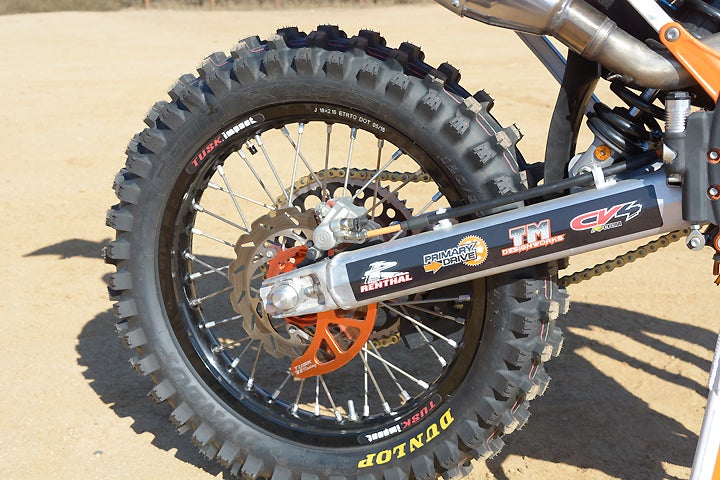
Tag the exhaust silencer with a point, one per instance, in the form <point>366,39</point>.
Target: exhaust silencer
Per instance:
<point>588,32</point>
<point>531,16</point>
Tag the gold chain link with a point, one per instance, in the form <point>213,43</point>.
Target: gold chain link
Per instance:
<point>622,260</point>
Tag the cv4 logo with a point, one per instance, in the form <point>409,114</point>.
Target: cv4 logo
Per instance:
<point>607,218</point>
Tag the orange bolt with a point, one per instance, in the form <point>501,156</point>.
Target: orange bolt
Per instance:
<point>603,152</point>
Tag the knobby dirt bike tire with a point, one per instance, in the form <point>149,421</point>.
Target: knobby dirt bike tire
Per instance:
<point>469,404</point>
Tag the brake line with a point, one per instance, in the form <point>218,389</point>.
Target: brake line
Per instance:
<point>427,220</point>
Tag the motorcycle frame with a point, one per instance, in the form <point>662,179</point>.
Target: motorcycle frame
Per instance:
<point>338,283</point>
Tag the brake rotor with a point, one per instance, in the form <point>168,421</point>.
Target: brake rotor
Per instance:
<point>275,245</point>
<point>273,235</point>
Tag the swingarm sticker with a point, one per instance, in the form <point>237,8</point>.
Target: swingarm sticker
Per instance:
<point>607,218</point>
<point>533,236</point>
<point>471,251</point>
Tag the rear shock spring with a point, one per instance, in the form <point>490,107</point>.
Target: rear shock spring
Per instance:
<point>628,130</point>
<point>710,11</point>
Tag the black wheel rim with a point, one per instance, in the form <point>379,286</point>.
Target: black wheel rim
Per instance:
<point>421,349</point>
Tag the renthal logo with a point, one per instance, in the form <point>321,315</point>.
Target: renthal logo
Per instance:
<point>376,277</point>
<point>531,236</point>
<point>471,250</point>
<point>606,218</point>
<point>403,425</point>
<point>416,442</point>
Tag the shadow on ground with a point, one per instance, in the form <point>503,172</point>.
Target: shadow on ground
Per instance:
<point>586,419</point>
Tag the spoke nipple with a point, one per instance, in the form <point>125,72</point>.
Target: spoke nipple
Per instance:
<point>352,414</point>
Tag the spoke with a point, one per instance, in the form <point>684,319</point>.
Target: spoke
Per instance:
<point>199,301</point>
<point>440,358</point>
<point>286,132</point>
<point>379,172</point>
<point>405,182</point>
<point>325,194</point>
<point>272,166</point>
<point>366,407</point>
<point>368,372</point>
<point>221,171</point>
<point>236,360</point>
<point>353,136</point>
<point>460,298</point>
<point>199,208</point>
<point>219,271</point>
<point>251,378</point>
<point>317,396</point>
<point>381,144</point>
<point>459,320</point>
<point>301,128</point>
<point>215,323</point>
<point>352,414</point>
<point>296,405</point>
<point>336,412</point>
<point>277,391</point>
<point>449,341</point>
<point>432,201</point>
<point>197,231</point>
<point>403,393</point>
<point>435,198</point>
<point>257,177</point>
<point>217,187</point>
<point>419,383</point>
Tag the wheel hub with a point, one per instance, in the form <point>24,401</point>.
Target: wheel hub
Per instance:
<point>275,244</point>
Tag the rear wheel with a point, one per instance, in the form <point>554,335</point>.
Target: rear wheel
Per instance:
<point>218,194</point>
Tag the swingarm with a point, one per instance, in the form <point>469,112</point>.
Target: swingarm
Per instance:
<point>636,205</point>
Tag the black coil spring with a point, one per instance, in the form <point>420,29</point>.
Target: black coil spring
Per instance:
<point>705,8</point>
<point>629,130</point>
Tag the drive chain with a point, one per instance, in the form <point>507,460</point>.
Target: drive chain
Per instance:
<point>622,260</point>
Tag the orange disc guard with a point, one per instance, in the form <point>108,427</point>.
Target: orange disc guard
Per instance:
<point>339,334</point>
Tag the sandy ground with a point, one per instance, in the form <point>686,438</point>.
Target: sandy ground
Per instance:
<point>628,392</point>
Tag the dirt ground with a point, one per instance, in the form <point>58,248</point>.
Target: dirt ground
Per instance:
<point>628,392</point>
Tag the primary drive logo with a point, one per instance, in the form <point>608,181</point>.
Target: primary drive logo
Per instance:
<point>472,251</point>
<point>377,276</point>
<point>606,218</point>
<point>531,236</point>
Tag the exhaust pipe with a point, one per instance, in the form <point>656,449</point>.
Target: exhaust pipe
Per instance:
<point>588,32</point>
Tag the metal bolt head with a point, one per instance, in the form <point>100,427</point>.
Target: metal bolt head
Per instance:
<point>713,192</point>
<point>713,156</point>
<point>695,243</point>
<point>672,34</point>
<point>284,297</point>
